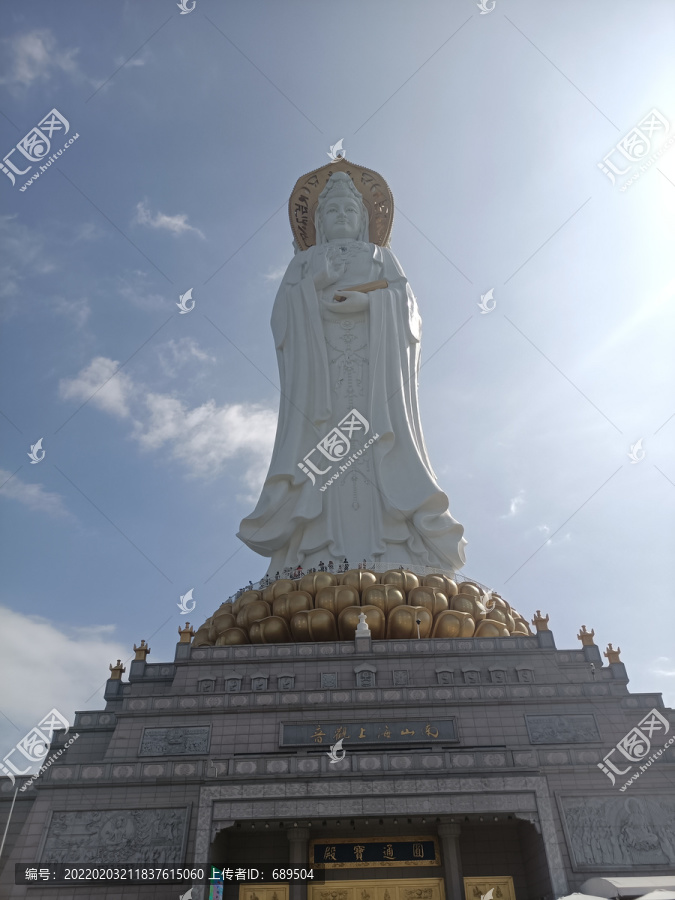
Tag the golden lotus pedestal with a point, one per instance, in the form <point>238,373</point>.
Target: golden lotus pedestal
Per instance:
<point>326,606</point>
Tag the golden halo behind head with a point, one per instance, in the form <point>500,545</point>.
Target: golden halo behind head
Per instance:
<point>374,190</point>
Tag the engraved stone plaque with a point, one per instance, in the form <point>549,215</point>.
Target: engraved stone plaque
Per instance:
<point>329,680</point>
<point>365,679</point>
<point>175,741</point>
<point>113,836</point>
<point>401,677</point>
<point>562,729</point>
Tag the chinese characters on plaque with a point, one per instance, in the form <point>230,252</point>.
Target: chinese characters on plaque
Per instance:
<point>391,732</point>
<point>341,853</point>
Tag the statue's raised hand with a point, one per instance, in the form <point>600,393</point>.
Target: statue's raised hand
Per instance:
<point>331,270</point>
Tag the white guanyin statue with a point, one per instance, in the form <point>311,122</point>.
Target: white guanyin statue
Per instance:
<point>349,477</point>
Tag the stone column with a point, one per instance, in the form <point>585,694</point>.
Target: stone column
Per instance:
<point>452,863</point>
<point>299,859</point>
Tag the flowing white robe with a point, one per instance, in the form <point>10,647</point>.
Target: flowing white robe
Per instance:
<point>388,506</point>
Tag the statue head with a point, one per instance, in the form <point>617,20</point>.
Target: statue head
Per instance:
<point>340,213</point>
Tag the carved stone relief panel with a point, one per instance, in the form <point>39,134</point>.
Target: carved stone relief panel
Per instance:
<point>175,741</point>
<point>329,680</point>
<point>471,676</point>
<point>444,676</point>
<point>620,832</point>
<point>401,677</point>
<point>114,836</point>
<point>206,685</point>
<point>259,682</point>
<point>285,682</point>
<point>365,679</point>
<point>233,685</point>
<point>526,676</point>
<point>498,676</point>
<point>562,729</point>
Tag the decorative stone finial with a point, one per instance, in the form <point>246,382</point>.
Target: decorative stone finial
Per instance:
<point>362,629</point>
<point>612,654</point>
<point>186,634</point>
<point>586,637</point>
<point>539,622</point>
<point>117,671</point>
<point>142,651</point>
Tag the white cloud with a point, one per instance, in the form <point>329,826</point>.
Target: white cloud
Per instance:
<point>203,438</point>
<point>276,274</point>
<point>78,311</point>
<point>135,289</point>
<point>24,254</point>
<point>177,224</point>
<point>175,354</point>
<point>32,496</point>
<point>37,648</point>
<point>515,506</point>
<point>33,56</point>
<point>99,384</point>
<point>663,665</point>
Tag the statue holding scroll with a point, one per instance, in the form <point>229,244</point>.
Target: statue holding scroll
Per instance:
<point>349,475</point>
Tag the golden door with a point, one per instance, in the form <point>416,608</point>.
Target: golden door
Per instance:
<point>378,889</point>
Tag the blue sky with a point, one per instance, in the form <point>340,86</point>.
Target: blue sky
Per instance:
<point>193,129</point>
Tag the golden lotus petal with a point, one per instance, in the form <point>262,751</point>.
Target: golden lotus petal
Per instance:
<point>401,578</point>
<point>243,599</point>
<point>428,597</point>
<point>277,588</point>
<point>489,628</point>
<point>288,605</point>
<point>314,581</point>
<point>402,622</point>
<point>322,625</point>
<point>232,636</point>
<point>223,621</point>
<point>300,626</point>
<point>202,638</point>
<point>349,619</point>
<point>337,598</point>
<point>468,587</point>
<point>273,630</point>
<point>385,596</point>
<point>359,578</point>
<point>454,623</point>
<point>442,583</point>
<point>253,612</point>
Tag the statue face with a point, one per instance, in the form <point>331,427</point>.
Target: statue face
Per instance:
<point>341,218</point>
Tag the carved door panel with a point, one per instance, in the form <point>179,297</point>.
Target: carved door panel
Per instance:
<point>380,889</point>
<point>501,886</point>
